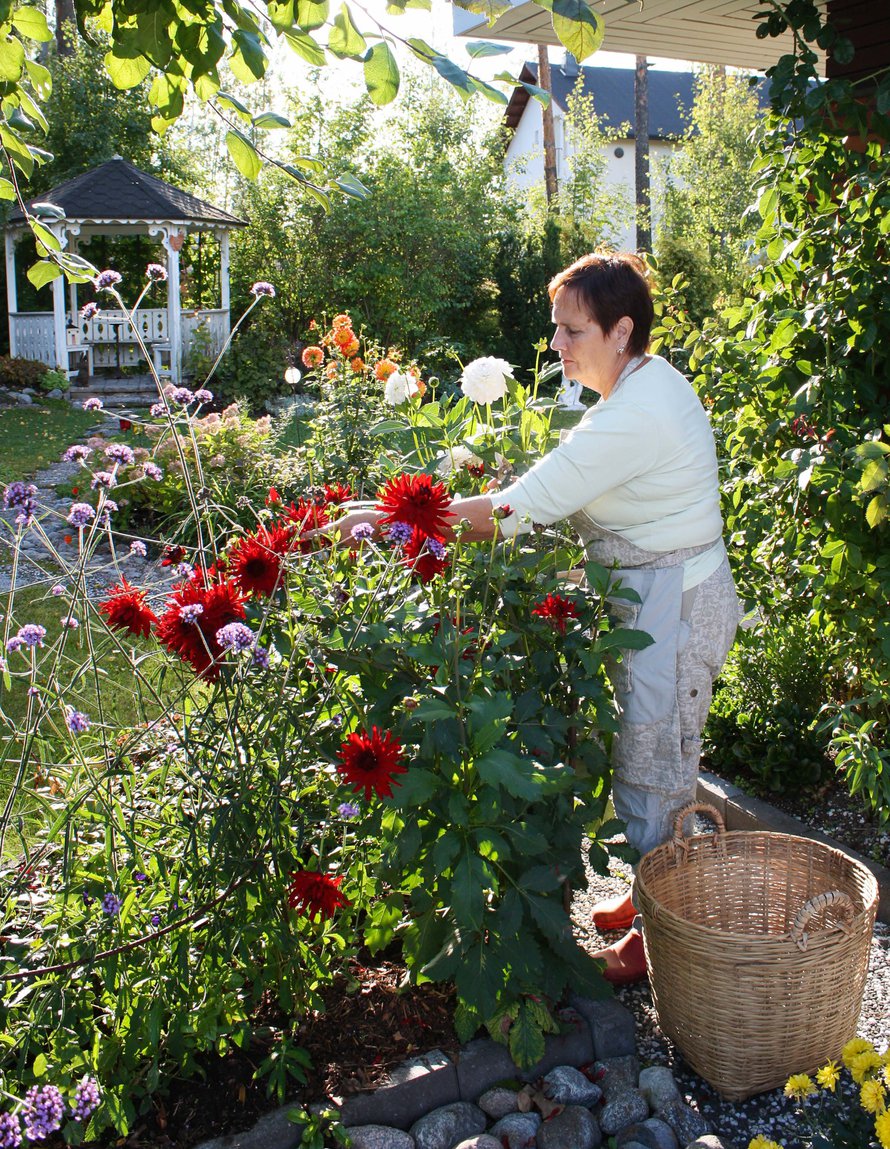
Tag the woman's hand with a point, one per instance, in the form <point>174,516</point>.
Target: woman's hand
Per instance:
<point>344,526</point>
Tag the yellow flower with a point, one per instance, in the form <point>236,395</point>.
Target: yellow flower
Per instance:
<point>872,1097</point>
<point>863,1063</point>
<point>882,1129</point>
<point>763,1143</point>
<point>829,1075</point>
<point>853,1048</point>
<point>799,1085</point>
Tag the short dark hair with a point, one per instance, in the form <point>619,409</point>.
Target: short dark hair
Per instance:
<point>610,286</point>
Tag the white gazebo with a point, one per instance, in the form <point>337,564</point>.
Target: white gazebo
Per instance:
<point>117,199</point>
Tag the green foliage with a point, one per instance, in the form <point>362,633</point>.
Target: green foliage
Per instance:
<point>253,369</point>
<point>767,705</point>
<point>16,372</point>
<point>35,436</point>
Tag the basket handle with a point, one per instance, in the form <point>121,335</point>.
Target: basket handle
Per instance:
<point>680,842</point>
<point>798,934</point>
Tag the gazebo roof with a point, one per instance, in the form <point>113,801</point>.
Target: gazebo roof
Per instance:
<point>119,192</point>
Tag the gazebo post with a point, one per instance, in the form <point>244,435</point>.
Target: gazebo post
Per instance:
<point>59,323</point>
<point>12,304</point>
<point>172,243</point>
<point>224,299</point>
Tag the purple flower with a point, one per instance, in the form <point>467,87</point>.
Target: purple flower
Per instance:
<point>156,272</point>
<point>138,548</point>
<point>261,288</point>
<point>121,453</point>
<point>155,919</point>
<point>361,532</point>
<point>77,453</point>
<point>105,280</point>
<point>70,623</point>
<point>42,1111</point>
<point>108,509</point>
<point>202,395</point>
<point>89,310</point>
<point>104,479</point>
<point>436,549</point>
<point>10,1131</point>
<point>33,691</point>
<point>80,514</point>
<point>140,877</point>
<point>182,395</point>
<point>86,1099</point>
<point>19,495</point>
<point>77,722</point>
<point>32,634</point>
<point>260,658</point>
<point>92,404</point>
<point>13,644</point>
<point>348,810</point>
<point>191,612</point>
<point>235,636</point>
<point>400,533</point>
<point>111,904</point>
<point>152,471</point>
<point>184,570</point>
<point>157,409</point>
<point>57,590</point>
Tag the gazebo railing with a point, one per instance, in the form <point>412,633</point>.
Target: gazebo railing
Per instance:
<point>33,337</point>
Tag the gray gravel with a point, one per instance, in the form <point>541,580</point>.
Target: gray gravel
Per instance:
<point>769,1114</point>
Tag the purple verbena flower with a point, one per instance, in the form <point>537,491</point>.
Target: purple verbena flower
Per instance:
<point>80,514</point>
<point>108,509</point>
<point>156,272</point>
<point>152,471</point>
<point>362,532</point>
<point>32,634</point>
<point>105,280</point>
<point>155,919</point>
<point>111,904</point>
<point>191,612</point>
<point>121,453</point>
<point>138,548</point>
<point>86,1099</point>
<point>10,1131</point>
<point>104,479</point>
<point>157,409</point>
<point>400,533</point>
<point>13,644</point>
<point>260,658</point>
<point>202,395</point>
<point>77,453</point>
<point>261,288</point>
<point>183,396</point>
<point>184,570</point>
<point>348,810</point>
<point>4,666</point>
<point>76,721</point>
<point>19,494</point>
<point>436,548</point>
<point>89,310</point>
<point>92,404</point>
<point>42,1111</point>
<point>70,623</point>
<point>57,590</point>
<point>235,636</point>
<point>33,691</point>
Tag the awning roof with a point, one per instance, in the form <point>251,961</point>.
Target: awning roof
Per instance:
<point>707,31</point>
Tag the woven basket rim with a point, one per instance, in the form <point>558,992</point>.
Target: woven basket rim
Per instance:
<point>870,891</point>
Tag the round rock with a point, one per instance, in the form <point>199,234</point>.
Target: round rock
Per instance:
<point>498,1102</point>
<point>615,1075</point>
<point>652,1134</point>
<point>686,1122</point>
<point>448,1125</point>
<point>380,1137</point>
<point>658,1086</point>
<point>480,1141</point>
<point>711,1141</point>
<point>516,1130</point>
<point>568,1086</point>
<point>574,1128</point>
<point>623,1109</point>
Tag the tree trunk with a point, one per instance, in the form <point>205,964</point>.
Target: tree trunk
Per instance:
<point>551,185</point>
<point>641,167</point>
<point>64,16</point>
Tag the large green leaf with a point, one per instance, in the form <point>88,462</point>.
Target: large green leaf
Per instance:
<point>281,13</point>
<point>398,7</point>
<point>7,191</point>
<point>305,47</point>
<point>32,24</point>
<point>526,1039</point>
<point>43,272</point>
<point>501,768</point>
<point>625,639</point>
<point>491,9</point>
<point>248,60</point>
<point>12,59</point>
<point>381,74</point>
<point>126,71</point>
<point>270,120</point>
<point>312,14</point>
<point>479,49</point>
<point>345,40</point>
<point>455,76</point>
<point>40,77</point>
<point>233,104</point>
<point>18,152</point>
<point>579,28</point>
<point>243,154</point>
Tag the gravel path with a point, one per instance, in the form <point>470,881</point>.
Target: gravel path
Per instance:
<point>770,1114</point>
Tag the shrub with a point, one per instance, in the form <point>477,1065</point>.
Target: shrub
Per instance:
<point>17,373</point>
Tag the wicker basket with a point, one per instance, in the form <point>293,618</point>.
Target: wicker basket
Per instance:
<point>758,949</point>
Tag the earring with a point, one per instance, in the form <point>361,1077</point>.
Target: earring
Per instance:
<point>620,350</point>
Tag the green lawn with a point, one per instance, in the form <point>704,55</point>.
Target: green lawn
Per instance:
<point>33,437</point>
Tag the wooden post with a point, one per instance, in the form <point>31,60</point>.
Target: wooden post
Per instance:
<point>641,151</point>
<point>11,294</point>
<point>551,183</point>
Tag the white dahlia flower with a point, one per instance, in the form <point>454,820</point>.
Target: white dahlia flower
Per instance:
<point>485,380</point>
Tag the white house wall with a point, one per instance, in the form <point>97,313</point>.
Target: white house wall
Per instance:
<point>524,162</point>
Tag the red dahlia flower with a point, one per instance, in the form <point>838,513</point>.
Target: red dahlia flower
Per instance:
<point>127,610</point>
<point>312,894</point>
<point>173,556</point>
<point>369,761</point>
<point>418,501</point>
<point>556,610</point>
<point>256,562</point>
<point>336,493</point>
<point>195,642</point>
<point>308,516</point>
<point>421,560</point>
<point>312,357</point>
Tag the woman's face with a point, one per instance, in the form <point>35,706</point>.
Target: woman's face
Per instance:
<point>586,352</point>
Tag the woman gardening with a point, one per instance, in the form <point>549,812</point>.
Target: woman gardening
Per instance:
<point>637,478</point>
